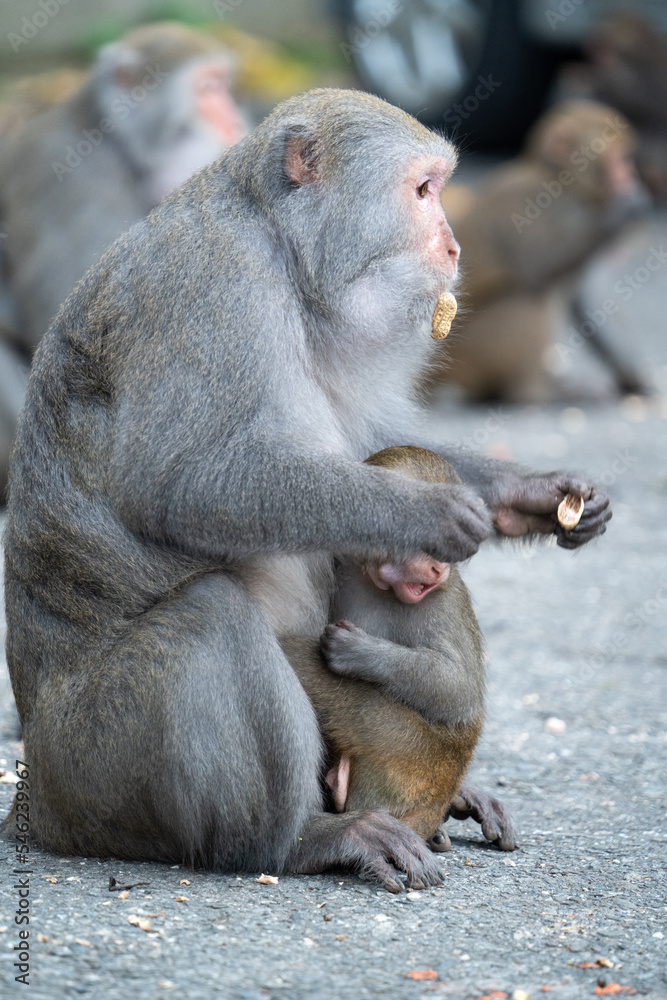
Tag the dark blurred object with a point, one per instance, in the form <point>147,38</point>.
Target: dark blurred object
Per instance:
<point>628,69</point>
<point>629,60</point>
<point>534,223</point>
<point>480,68</point>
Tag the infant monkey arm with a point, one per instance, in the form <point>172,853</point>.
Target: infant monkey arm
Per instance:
<point>436,683</point>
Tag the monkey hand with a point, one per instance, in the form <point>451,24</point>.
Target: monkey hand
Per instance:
<point>528,505</point>
<point>346,647</point>
<point>372,842</point>
<point>462,523</point>
<point>488,812</point>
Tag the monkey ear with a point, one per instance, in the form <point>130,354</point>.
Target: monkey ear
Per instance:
<point>558,144</point>
<point>122,65</point>
<point>301,162</point>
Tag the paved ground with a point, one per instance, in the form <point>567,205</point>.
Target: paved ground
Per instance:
<point>574,743</point>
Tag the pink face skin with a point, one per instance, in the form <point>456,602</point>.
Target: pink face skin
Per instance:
<point>436,242</point>
<point>215,105</point>
<point>410,581</point>
<point>620,171</point>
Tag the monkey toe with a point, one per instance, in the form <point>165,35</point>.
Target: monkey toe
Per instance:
<point>385,874</point>
<point>439,842</point>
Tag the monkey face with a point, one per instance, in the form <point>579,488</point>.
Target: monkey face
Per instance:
<point>410,581</point>
<point>425,178</point>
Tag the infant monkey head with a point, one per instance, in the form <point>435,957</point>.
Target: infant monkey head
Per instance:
<point>413,580</point>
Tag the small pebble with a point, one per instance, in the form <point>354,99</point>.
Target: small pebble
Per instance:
<point>554,725</point>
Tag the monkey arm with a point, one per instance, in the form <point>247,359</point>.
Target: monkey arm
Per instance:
<point>437,683</point>
<point>523,502</point>
<point>226,501</point>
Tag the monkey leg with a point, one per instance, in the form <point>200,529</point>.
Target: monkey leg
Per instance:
<point>190,740</point>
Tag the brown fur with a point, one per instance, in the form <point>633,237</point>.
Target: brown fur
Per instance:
<point>399,761</point>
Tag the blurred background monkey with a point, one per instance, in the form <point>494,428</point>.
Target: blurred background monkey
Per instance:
<point>154,108</point>
<point>531,226</point>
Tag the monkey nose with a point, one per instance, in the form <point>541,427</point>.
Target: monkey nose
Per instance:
<point>454,250</point>
<point>439,572</point>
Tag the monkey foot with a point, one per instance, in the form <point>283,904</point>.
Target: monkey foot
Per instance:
<point>491,814</point>
<point>371,842</point>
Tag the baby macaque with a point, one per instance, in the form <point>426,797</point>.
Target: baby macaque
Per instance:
<point>399,694</point>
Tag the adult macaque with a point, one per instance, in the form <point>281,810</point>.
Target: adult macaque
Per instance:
<point>533,223</point>
<point>31,94</point>
<point>154,108</point>
<point>401,703</point>
<point>189,456</point>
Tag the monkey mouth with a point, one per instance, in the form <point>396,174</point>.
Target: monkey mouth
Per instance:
<point>411,592</point>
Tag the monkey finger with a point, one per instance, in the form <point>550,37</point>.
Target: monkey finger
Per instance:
<point>385,847</point>
<point>593,522</point>
<point>490,828</point>
<point>596,504</point>
<point>574,539</point>
<point>568,484</point>
<point>491,814</point>
<point>416,861</point>
<point>341,631</point>
<point>347,626</point>
<point>594,514</point>
<point>501,825</point>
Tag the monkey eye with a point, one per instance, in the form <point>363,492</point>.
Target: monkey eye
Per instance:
<point>422,190</point>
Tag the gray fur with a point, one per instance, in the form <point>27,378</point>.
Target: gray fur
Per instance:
<point>204,400</point>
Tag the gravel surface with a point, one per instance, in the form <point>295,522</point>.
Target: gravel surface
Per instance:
<point>574,743</point>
